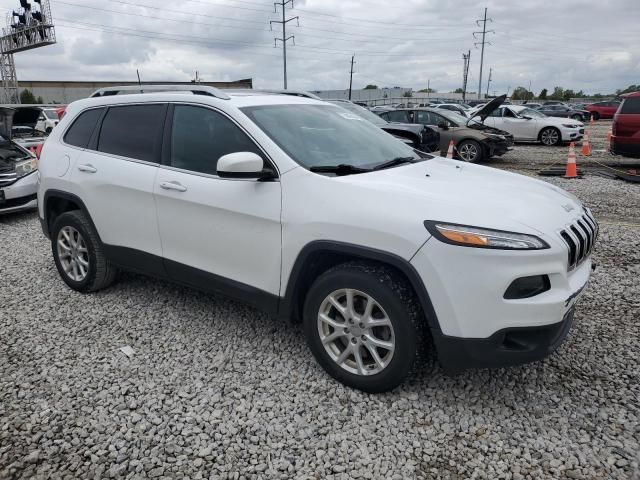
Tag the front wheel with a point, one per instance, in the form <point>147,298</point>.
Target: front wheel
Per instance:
<point>550,136</point>
<point>595,116</point>
<point>470,151</point>
<point>363,326</point>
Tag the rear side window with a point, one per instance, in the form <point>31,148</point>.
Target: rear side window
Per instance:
<point>630,105</point>
<point>399,116</point>
<point>80,131</point>
<point>133,131</point>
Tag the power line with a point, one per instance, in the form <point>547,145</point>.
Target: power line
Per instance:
<point>283,4</point>
<point>484,32</point>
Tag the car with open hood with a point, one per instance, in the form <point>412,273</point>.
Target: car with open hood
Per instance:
<point>18,166</point>
<point>473,141</point>
<point>422,137</point>
<point>531,125</point>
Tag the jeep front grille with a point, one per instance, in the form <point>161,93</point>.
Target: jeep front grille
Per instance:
<point>580,238</point>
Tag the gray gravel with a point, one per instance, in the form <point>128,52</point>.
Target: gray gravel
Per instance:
<point>215,389</point>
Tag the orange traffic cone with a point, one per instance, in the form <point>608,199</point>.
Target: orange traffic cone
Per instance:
<point>609,134</point>
<point>572,169</point>
<point>450,150</point>
<point>586,150</point>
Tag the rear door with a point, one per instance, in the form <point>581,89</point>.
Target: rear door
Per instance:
<point>115,177</point>
<point>627,120</point>
<point>217,233</point>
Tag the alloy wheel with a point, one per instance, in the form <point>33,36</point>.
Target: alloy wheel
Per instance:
<point>73,253</point>
<point>468,152</point>
<point>356,332</point>
<point>550,136</point>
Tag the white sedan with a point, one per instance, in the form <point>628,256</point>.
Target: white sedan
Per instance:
<point>529,125</point>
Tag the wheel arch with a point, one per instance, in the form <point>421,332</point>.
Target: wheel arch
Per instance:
<point>545,127</point>
<point>57,202</point>
<point>318,256</point>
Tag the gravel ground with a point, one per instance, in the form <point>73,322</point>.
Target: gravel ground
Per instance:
<point>215,389</point>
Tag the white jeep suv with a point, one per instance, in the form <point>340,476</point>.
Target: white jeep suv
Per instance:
<point>316,215</point>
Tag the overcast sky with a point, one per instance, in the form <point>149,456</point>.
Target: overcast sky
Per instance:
<point>590,45</point>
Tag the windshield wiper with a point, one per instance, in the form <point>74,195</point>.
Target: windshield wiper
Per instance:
<point>342,169</point>
<point>395,161</point>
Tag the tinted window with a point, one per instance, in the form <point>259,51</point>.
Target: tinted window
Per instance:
<point>201,136</point>
<point>630,105</point>
<point>133,131</point>
<point>425,118</point>
<point>399,116</point>
<point>80,132</point>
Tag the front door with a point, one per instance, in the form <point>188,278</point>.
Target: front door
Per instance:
<point>217,234</point>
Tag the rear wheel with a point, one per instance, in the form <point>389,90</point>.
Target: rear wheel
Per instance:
<point>595,115</point>
<point>470,151</point>
<point>550,136</point>
<point>78,253</point>
<point>363,326</point>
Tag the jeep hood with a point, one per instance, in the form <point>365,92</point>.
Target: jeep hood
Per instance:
<point>485,111</point>
<point>468,194</point>
<point>20,116</point>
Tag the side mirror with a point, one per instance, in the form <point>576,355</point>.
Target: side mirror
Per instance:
<point>443,126</point>
<point>243,165</point>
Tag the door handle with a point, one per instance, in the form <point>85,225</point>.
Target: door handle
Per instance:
<point>87,167</point>
<point>173,186</point>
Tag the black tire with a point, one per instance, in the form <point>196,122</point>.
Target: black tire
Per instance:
<point>470,151</point>
<point>550,136</point>
<point>100,272</point>
<point>48,130</point>
<point>595,115</point>
<point>397,299</point>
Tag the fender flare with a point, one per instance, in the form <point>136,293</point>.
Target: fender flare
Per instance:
<point>53,193</point>
<point>289,301</point>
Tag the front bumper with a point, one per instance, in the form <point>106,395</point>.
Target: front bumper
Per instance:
<point>507,347</point>
<point>571,134</point>
<point>20,195</point>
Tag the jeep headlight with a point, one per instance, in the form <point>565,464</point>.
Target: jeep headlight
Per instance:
<point>467,236</point>
<point>25,167</point>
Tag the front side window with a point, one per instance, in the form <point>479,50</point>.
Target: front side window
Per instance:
<point>400,116</point>
<point>326,135</point>
<point>80,131</point>
<point>425,118</point>
<point>200,136</point>
<point>133,131</point>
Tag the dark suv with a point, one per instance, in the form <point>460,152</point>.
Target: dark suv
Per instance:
<point>625,139</point>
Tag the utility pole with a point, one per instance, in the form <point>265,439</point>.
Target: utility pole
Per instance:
<point>483,42</point>
<point>530,94</point>
<point>428,88</point>
<point>466,57</point>
<point>351,75</point>
<point>489,81</point>
<point>284,38</point>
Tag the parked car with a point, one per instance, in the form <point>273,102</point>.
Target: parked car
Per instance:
<point>454,107</point>
<point>625,139</point>
<point>532,104</point>
<point>18,179</point>
<point>47,120</point>
<point>421,137</point>
<point>600,110</point>
<point>529,125</point>
<point>553,102</point>
<point>474,142</point>
<point>287,203</point>
<point>563,111</point>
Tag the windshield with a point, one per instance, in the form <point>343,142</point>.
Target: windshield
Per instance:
<point>530,112</point>
<point>453,116</point>
<point>325,135</point>
<point>362,112</point>
<point>51,114</point>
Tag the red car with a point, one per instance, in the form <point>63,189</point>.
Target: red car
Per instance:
<point>600,110</point>
<point>625,139</point>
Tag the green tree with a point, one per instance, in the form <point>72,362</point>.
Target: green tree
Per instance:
<point>40,100</point>
<point>408,93</point>
<point>431,90</point>
<point>27,97</point>
<point>371,87</point>
<point>521,93</point>
<point>629,89</point>
<point>543,94</point>
<point>558,93</point>
<point>458,90</point>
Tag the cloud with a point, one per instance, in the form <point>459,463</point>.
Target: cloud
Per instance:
<point>569,43</point>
